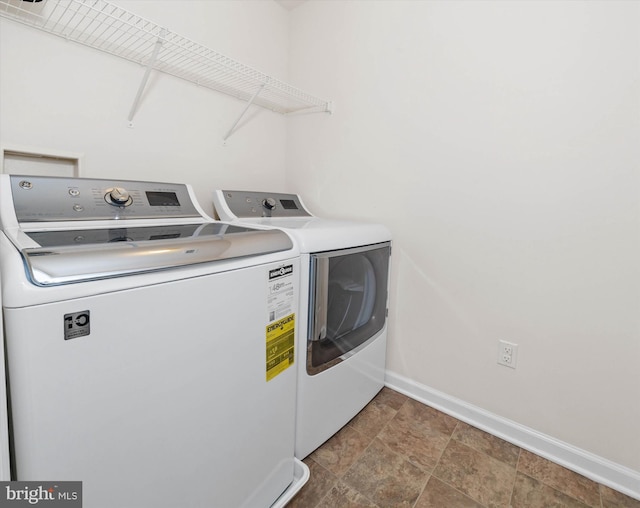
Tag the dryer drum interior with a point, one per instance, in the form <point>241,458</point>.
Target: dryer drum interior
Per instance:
<point>348,302</point>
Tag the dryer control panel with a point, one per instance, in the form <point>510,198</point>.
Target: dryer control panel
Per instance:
<point>250,204</point>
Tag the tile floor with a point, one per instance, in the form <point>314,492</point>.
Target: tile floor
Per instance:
<point>400,453</point>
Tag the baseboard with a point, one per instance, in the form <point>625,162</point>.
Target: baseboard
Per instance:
<point>596,468</point>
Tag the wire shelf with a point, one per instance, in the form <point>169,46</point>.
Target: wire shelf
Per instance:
<point>112,29</point>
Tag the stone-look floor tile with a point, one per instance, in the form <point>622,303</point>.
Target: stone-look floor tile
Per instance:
<point>343,496</point>
<point>531,493</point>
<point>487,443</point>
<point>419,433</point>
<point>440,495</point>
<point>539,481</point>
<point>320,483</point>
<point>391,398</point>
<point>614,499</point>
<point>372,419</point>
<point>560,478</point>
<point>484,479</point>
<point>342,450</point>
<point>385,477</point>
<point>425,414</point>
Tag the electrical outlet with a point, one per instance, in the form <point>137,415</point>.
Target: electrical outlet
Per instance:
<point>507,353</point>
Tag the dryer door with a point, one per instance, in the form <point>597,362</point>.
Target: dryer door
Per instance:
<point>348,302</point>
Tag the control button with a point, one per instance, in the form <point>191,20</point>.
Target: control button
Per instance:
<point>74,192</point>
<point>78,208</point>
<point>269,203</point>
<point>118,196</point>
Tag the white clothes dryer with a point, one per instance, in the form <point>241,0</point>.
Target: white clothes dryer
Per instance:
<point>149,349</point>
<point>343,308</point>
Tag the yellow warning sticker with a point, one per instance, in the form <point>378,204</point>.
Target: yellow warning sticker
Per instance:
<point>280,345</point>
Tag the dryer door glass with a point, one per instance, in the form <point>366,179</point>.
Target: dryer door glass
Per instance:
<point>348,302</point>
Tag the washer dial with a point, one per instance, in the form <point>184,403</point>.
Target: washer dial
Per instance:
<point>118,196</point>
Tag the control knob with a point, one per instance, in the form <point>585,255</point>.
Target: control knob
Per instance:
<point>118,196</point>
<point>269,203</point>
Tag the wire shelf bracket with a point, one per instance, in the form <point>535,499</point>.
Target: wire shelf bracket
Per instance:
<point>106,27</point>
<point>253,98</point>
<point>145,78</point>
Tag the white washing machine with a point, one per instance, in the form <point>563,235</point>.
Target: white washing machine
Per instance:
<point>343,309</point>
<point>149,349</point>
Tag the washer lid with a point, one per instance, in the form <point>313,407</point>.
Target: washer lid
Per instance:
<point>78,255</point>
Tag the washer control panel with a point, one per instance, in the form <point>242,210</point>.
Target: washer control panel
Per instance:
<point>51,199</point>
<point>245,204</point>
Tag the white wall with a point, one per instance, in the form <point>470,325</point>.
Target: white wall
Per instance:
<point>61,96</point>
<point>500,141</point>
